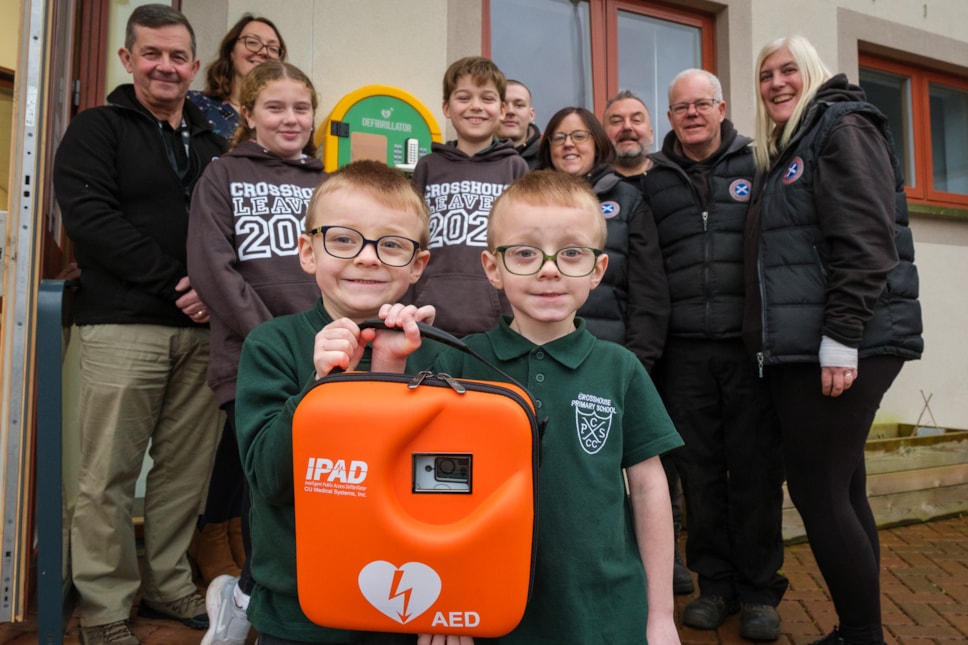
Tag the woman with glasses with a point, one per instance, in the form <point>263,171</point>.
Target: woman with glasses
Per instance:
<point>832,305</point>
<point>250,41</point>
<point>631,305</point>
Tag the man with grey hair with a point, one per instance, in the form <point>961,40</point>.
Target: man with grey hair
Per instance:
<point>698,191</point>
<point>629,127</point>
<point>123,175</point>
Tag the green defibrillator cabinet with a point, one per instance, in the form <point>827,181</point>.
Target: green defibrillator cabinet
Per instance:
<point>377,122</point>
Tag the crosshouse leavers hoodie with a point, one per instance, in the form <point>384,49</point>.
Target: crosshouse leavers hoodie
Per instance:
<point>248,210</point>
<point>460,190</point>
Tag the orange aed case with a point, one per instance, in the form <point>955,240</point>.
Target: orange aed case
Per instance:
<point>415,501</point>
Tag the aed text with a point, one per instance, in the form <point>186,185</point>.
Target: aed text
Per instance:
<point>456,619</point>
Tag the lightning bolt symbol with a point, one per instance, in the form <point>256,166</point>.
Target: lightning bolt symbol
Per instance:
<point>395,591</point>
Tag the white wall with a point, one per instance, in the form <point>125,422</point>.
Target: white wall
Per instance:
<point>943,371</point>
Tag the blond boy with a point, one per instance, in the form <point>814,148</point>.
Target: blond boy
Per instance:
<point>365,244</point>
<point>595,540</point>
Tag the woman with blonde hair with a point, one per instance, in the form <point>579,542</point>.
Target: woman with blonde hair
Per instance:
<point>832,308</point>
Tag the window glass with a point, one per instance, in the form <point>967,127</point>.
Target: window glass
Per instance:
<point>650,54</point>
<point>545,45</point>
<point>928,114</point>
<point>891,93</point>
<point>949,132</point>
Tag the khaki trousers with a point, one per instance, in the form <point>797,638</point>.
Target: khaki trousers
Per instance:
<point>140,384</point>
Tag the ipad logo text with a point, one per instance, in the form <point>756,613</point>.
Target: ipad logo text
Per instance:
<point>330,470</point>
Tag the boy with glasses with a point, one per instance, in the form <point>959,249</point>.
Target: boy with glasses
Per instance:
<point>603,569</point>
<point>365,244</point>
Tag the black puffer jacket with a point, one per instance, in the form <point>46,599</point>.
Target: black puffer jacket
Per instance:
<point>700,215</point>
<point>833,253</point>
<point>631,305</point>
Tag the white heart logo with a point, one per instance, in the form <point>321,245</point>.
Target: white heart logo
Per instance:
<point>402,593</point>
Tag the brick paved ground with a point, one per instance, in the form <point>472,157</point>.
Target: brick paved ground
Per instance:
<point>924,591</point>
<point>924,586</point>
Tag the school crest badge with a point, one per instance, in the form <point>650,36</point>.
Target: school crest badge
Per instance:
<point>593,427</point>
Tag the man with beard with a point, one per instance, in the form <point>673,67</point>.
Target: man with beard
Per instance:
<point>518,122</point>
<point>629,127</point>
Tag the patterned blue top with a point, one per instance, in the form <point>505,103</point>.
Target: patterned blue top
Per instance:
<point>220,115</point>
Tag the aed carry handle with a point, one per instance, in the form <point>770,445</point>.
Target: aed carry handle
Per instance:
<point>435,333</point>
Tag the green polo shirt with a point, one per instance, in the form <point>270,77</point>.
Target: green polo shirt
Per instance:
<point>604,414</point>
<point>275,372</point>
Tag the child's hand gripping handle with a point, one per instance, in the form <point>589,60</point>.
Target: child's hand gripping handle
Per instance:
<point>433,333</point>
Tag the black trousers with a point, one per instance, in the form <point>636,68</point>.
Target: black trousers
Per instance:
<point>228,492</point>
<point>224,500</point>
<point>731,468</point>
<point>823,444</point>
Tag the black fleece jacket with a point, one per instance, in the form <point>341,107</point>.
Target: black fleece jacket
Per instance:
<point>126,209</point>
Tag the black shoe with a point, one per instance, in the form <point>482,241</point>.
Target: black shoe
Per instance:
<point>681,580</point>
<point>759,623</point>
<point>708,612</point>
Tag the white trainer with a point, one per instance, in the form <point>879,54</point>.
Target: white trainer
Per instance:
<point>227,622</point>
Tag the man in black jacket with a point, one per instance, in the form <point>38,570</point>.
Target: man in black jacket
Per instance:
<point>698,191</point>
<point>518,122</point>
<point>123,176</point>
<point>629,126</point>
